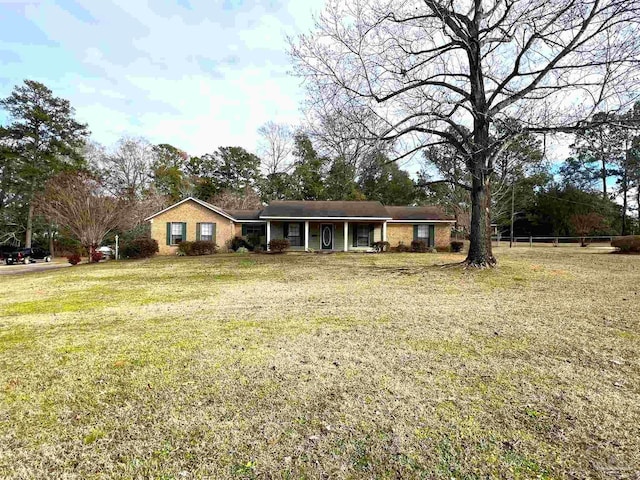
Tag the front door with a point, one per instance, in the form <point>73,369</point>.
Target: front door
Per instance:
<point>326,236</point>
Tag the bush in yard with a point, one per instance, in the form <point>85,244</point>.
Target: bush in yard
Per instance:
<point>74,259</point>
<point>96,256</point>
<point>279,245</point>
<point>242,250</point>
<point>141,247</point>
<point>419,246</point>
<point>203,247</point>
<point>254,241</point>
<point>381,246</point>
<point>456,246</point>
<point>238,242</point>
<point>184,248</point>
<point>197,248</point>
<point>402,248</point>
<point>627,244</point>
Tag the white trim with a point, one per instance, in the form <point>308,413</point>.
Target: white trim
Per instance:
<point>384,232</point>
<point>346,236</point>
<point>421,221</point>
<point>306,236</point>
<point>200,202</point>
<point>268,235</point>
<point>250,221</point>
<point>328,219</point>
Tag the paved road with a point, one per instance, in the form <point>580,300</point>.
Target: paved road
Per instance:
<point>31,268</point>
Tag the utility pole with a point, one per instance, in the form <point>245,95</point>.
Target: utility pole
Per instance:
<point>513,202</point>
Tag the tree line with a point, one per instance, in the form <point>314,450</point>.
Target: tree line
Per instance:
<point>49,167</point>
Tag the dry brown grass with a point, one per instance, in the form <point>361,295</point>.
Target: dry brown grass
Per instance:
<point>314,366</point>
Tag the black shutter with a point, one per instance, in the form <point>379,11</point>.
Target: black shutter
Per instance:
<point>355,235</point>
<point>285,230</point>
<point>415,232</point>
<point>168,233</point>
<point>372,228</point>
<point>184,232</point>
<point>213,232</point>
<point>198,232</point>
<point>432,235</point>
<point>244,229</point>
<point>302,232</point>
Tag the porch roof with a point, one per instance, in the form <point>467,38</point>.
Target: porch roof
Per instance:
<point>368,210</point>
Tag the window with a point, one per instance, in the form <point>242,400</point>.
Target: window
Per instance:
<point>295,235</point>
<point>363,236</point>
<point>253,230</point>
<point>206,232</point>
<point>176,233</point>
<point>423,233</point>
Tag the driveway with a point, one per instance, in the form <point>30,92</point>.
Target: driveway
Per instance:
<point>31,268</point>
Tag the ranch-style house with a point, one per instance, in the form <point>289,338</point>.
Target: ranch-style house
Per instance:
<point>308,225</point>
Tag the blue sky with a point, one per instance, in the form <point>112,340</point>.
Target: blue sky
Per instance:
<point>194,73</point>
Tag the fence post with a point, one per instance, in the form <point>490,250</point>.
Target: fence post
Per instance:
<point>530,241</point>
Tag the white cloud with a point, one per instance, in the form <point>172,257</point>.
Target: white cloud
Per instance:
<point>198,78</point>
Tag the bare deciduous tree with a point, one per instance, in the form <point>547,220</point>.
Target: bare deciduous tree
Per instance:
<point>128,169</point>
<point>79,203</point>
<point>586,224</point>
<point>415,71</point>
<point>275,147</point>
<point>246,200</point>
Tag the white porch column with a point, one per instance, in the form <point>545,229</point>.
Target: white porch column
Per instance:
<point>268,233</point>
<point>384,231</point>
<point>346,236</point>
<point>306,236</point>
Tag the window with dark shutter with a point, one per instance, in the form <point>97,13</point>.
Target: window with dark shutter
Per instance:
<point>206,232</point>
<point>176,233</point>
<point>422,232</point>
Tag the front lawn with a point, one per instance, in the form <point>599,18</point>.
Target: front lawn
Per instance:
<point>324,366</point>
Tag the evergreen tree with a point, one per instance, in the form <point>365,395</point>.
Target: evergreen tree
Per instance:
<point>45,139</point>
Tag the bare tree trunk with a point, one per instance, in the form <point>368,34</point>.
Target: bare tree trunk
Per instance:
<point>625,188</point>
<point>29,232</point>
<point>480,251</point>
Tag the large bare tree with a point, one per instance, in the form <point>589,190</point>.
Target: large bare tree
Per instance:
<point>414,71</point>
<point>128,167</point>
<point>275,147</point>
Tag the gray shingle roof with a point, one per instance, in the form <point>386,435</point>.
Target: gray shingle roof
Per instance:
<point>244,214</point>
<point>325,209</point>
<point>427,212</point>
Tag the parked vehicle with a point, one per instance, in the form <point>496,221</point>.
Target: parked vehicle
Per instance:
<point>5,250</point>
<point>107,252</point>
<point>27,255</point>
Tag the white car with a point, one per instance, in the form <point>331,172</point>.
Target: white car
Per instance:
<point>107,252</point>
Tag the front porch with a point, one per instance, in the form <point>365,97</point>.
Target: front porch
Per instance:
<point>334,236</point>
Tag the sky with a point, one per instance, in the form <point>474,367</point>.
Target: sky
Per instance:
<point>197,74</point>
